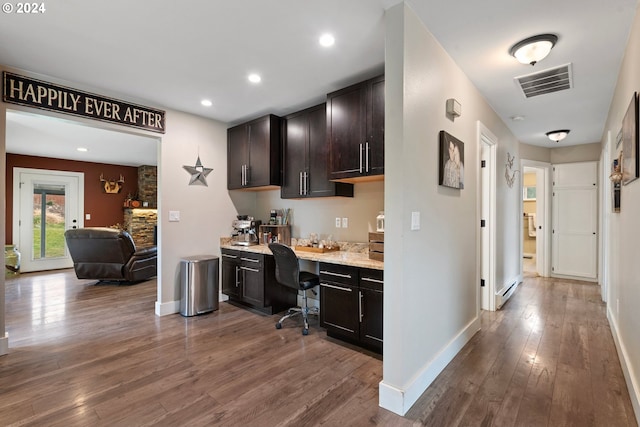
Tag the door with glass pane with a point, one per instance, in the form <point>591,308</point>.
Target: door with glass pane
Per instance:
<point>46,204</point>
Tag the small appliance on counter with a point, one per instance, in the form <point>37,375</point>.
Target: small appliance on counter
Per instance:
<point>245,231</point>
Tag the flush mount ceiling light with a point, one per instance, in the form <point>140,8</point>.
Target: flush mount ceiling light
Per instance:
<point>206,103</point>
<point>82,149</point>
<point>558,135</point>
<point>327,40</point>
<point>533,49</point>
<point>254,78</point>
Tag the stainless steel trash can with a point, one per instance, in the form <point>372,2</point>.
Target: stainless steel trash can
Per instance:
<point>199,285</point>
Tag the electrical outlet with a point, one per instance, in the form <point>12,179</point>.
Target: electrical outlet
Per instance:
<point>415,221</point>
<point>345,222</point>
<point>338,223</point>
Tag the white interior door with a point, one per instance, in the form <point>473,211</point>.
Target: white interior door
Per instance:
<point>487,209</point>
<point>46,204</point>
<point>575,220</point>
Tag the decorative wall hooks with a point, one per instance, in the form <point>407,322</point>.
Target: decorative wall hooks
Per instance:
<point>198,173</point>
<point>111,186</point>
<point>509,173</point>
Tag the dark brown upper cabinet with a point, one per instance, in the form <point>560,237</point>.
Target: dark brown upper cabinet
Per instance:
<point>253,154</point>
<point>305,157</point>
<point>355,128</point>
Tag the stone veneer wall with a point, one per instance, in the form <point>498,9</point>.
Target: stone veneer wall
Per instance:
<point>148,185</point>
<point>140,223</point>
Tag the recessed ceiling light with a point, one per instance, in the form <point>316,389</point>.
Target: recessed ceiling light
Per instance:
<point>254,78</point>
<point>517,118</point>
<point>206,103</point>
<point>82,149</point>
<point>327,40</point>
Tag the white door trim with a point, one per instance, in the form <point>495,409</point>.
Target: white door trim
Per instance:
<point>486,258</point>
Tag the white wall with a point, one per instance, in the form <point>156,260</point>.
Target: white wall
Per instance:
<point>205,212</point>
<point>624,289</point>
<point>431,300</point>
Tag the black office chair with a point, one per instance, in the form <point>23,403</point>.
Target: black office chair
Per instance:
<point>288,274</point>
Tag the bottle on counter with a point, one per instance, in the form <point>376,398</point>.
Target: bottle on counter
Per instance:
<point>380,222</point>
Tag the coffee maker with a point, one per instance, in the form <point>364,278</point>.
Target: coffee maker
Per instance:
<point>245,231</point>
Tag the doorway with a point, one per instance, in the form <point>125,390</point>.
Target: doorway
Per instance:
<point>535,217</point>
<point>45,204</point>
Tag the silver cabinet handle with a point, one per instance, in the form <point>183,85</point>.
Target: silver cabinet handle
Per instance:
<point>250,269</point>
<point>331,273</point>
<point>229,256</point>
<point>366,154</point>
<point>304,183</point>
<point>244,175</point>
<point>360,305</point>
<point>340,288</point>
<point>237,278</point>
<point>250,260</point>
<point>360,158</point>
<point>300,187</point>
<point>247,174</point>
<point>368,279</point>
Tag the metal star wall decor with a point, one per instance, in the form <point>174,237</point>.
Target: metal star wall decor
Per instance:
<point>198,173</point>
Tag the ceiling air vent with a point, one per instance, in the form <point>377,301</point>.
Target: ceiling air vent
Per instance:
<point>547,81</point>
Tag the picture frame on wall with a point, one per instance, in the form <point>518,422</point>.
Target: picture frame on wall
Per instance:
<point>451,164</point>
<point>630,151</point>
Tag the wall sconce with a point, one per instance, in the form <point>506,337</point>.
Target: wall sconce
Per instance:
<point>533,49</point>
<point>558,135</point>
<point>454,109</point>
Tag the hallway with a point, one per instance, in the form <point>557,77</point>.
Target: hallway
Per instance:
<point>84,354</point>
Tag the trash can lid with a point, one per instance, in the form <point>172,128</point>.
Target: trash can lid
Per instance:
<point>197,258</point>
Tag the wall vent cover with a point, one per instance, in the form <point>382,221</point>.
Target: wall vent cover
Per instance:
<point>547,81</point>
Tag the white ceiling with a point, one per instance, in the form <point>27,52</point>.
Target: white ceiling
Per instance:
<point>174,54</point>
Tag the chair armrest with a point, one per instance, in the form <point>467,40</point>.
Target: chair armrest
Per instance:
<point>145,252</point>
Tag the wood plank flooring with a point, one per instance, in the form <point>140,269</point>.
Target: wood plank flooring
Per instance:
<point>96,355</point>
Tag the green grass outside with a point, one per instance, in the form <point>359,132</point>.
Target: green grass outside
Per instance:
<point>54,240</point>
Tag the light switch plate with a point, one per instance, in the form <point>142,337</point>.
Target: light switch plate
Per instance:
<point>345,222</point>
<point>174,216</point>
<point>415,220</point>
<point>338,223</point>
<point>87,217</point>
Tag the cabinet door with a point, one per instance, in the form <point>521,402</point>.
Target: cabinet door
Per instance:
<point>237,155</point>
<point>252,285</point>
<point>252,289</point>
<point>230,276</point>
<point>375,128</point>
<point>339,309</point>
<point>295,155</point>
<point>264,152</point>
<point>371,320</point>
<point>346,128</point>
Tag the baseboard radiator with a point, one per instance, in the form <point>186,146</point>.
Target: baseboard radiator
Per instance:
<point>505,293</point>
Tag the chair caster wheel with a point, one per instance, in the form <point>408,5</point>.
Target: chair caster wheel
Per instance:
<point>278,326</point>
<point>305,332</point>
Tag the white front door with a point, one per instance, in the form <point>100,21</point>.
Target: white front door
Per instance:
<point>46,204</point>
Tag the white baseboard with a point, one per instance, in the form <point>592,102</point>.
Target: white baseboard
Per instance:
<point>167,308</point>
<point>629,374</point>
<point>172,307</point>
<point>400,401</point>
<point>4,344</point>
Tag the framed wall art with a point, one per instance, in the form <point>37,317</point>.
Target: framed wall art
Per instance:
<point>630,142</point>
<point>451,165</point>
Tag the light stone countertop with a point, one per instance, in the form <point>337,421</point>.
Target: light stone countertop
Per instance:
<point>353,258</point>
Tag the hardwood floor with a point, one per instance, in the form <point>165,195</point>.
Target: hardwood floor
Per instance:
<point>84,354</point>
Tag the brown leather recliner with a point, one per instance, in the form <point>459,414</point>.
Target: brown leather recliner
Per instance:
<point>110,255</point>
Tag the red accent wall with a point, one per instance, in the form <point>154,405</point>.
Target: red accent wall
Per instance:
<point>105,209</point>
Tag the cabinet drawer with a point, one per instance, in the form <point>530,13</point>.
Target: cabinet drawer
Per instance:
<point>336,273</point>
<point>371,279</point>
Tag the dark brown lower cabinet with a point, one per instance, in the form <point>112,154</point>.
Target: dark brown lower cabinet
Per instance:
<point>249,279</point>
<point>351,304</point>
